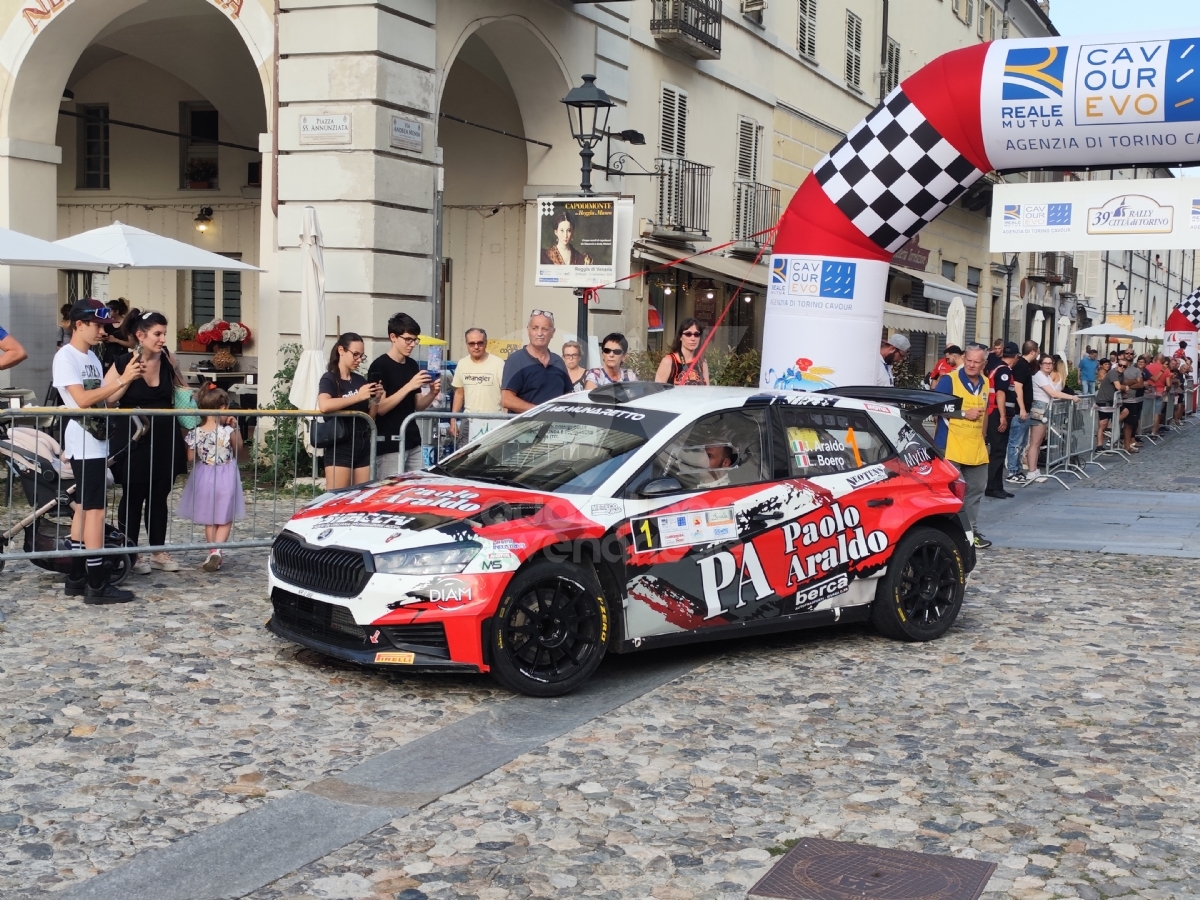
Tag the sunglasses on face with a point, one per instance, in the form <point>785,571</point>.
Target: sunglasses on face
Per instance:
<point>616,350</point>
<point>476,343</point>
<point>690,334</point>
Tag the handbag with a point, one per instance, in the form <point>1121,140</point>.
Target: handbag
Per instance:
<point>185,399</point>
<point>325,433</point>
<point>1038,413</point>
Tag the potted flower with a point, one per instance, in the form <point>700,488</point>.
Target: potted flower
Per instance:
<point>223,337</point>
<point>187,340</point>
<point>200,174</point>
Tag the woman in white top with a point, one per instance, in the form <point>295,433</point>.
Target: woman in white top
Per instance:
<point>1043,392</point>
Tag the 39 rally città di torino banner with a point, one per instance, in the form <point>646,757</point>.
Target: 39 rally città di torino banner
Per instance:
<point>1093,101</point>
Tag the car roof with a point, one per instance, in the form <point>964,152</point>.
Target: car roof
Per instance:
<point>698,398</point>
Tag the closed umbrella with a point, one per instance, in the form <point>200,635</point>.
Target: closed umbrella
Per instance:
<point>311,365</point>
<point>956,323</point>
<point>132,248</point>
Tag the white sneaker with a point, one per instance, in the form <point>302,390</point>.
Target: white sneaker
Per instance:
<point>141,567</point>
<point>1037,476</point>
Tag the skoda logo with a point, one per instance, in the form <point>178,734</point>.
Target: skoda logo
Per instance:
<point>324,534</point>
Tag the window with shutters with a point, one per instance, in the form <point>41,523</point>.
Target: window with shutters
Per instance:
<point>853,50</point>
<point>92,153</point>
<point>956,5</point>
<point>970,16</point>
<point>806,35</point>
<point>748,139</point>
<point>983,11</point>
<point>204,295</point>
<point>891,74</point>
<point>992,17</point>
<point>673,126</point>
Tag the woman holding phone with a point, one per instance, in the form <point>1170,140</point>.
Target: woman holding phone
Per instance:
<point>342,389</point>
<point>147,472</point>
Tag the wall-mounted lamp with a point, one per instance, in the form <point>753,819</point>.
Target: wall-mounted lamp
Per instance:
<point>204,219</point>
<point>749,298</point>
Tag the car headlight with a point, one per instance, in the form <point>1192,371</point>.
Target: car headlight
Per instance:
<point>447,559</point>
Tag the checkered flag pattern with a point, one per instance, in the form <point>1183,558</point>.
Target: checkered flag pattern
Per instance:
<point>894,173</point>
<point>1190,307</point>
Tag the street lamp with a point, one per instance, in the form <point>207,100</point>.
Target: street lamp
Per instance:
<point>1122,293</point>
<point>587,111</point>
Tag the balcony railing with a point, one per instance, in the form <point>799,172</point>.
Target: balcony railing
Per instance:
<point>755,209</point>
<point>1053,268</point>
<point>683,199</point>
<point>694,26</point>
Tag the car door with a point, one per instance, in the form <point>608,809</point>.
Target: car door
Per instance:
<point>687,514</point>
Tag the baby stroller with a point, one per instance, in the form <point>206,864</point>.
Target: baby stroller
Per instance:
<point>34,459</point>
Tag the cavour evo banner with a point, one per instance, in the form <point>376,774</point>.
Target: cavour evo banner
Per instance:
<point>1093,101</point>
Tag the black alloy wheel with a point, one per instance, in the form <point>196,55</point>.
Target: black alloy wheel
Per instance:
<point>920,596</point>
<point>550,630</point>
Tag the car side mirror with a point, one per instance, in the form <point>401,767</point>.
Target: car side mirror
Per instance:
<point>660,487</point>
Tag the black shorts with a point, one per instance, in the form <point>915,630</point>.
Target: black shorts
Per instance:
<point>90,489</point>
<point>1105,416</point>
<point>351,454</point>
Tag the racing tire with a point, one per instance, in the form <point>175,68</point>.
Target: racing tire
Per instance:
<point>550,630</point>
<point>920,596</point>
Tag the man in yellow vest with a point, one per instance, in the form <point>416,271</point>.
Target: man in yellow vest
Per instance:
<point>962,440</point>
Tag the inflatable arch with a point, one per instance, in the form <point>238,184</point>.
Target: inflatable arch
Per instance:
<point>1010,105</point>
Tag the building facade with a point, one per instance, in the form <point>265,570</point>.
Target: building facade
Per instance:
<point>423,131</point>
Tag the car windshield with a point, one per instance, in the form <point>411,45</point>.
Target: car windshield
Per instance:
<point>566,448</point>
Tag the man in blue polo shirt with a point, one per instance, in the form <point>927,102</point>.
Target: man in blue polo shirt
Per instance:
<point>11,351</point>
<point>533,374</point>
<point>1087,371</point>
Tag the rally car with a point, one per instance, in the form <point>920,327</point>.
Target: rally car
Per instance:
<point>631,517</point>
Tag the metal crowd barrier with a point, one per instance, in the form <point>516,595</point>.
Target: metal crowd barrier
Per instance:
<point>441,442</point>
<point>278,477</point>
<point>1058,439</point>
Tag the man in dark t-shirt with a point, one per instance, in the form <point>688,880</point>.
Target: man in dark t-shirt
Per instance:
<point>406,390</point>
<point>533,374</point>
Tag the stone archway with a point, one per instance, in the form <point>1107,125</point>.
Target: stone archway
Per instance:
<point>219,53</point>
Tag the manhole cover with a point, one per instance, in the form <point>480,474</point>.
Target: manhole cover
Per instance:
<point>817,869</point>
<point>1187,479</point>
<point>321,661</point>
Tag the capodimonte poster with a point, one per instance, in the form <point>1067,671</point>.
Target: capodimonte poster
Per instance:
<point>576,237</point>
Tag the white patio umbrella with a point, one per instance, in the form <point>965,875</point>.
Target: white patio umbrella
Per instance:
<point>311,364</point>
<point>1105,329</point>
<point>132,248</point>
<point>956,323</point>
<point>17,249</point>
<point>1150,333</point>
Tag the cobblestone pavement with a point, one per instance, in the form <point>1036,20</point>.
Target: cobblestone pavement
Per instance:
<point>1147,470</point>
<point>1052,731</point>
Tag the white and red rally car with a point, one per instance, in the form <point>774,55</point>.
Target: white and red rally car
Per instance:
<point>631,517</point>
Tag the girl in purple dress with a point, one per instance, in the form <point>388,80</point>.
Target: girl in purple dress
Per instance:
<point>213,495</point>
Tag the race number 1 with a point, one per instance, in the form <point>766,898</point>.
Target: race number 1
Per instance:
<point>645,535</point>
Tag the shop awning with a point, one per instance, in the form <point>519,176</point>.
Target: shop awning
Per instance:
<point>939,288</point>
<point>901,318</point>
<point>709,265</point>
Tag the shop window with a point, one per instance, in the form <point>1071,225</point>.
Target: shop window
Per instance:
<point>891,74</point>
<point>204,296</point>
<point>806,33</point>
<point>853,50</point>
<point>198,157</point>
<point>827,442</point>
<point>92,154</point>
<point>949,270</point>
<point>673,127</point>
<point>974,276</point>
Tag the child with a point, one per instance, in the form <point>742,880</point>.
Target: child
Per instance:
<point>213,495</point>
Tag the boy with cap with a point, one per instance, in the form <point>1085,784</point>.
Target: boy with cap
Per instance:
<point>80,383</point>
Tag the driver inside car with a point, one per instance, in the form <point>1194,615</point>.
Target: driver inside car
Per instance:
<point>720,458</point>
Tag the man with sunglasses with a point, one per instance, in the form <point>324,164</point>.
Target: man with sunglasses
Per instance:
<point>403,388</point>
<point>476,386</point>
<point>534,374</point>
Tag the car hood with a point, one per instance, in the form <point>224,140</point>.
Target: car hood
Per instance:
<point>421,510</point>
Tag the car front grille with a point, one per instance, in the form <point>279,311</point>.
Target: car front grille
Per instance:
<point>330,570</point>
<point>325,622</point>
<point>428,638</point>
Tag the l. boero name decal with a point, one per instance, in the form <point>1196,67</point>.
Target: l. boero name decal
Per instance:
<point>1116,101</point>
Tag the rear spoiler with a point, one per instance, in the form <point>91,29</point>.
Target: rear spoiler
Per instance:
<point>914,404</point>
